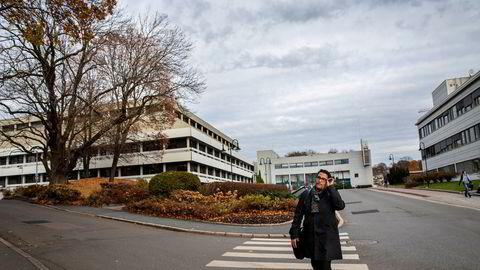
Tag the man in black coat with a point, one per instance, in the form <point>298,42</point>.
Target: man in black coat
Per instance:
<point>320,239</point>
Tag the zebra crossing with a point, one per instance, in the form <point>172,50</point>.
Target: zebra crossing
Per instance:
<point>271,253</point>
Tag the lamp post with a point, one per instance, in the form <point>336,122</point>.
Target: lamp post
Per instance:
<point>36,162</point>
<point>265,162</point>
<point>392,158</point>
<point>234,145</point>
<point>421,148</point>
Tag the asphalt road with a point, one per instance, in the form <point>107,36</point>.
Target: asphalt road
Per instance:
<point>411,234</point>
<point>72,241</point>
<point>391,233</point>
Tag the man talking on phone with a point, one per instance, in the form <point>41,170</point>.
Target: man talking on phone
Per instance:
<point>320,239</point>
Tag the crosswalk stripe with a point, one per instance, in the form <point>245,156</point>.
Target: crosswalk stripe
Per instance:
<point>344,237</point>
<point>272,265</point>
<point>265,243</point>
<point>277,255</point>
<point>271,239</point>
<point>344,248</point>
<point>343,234</point>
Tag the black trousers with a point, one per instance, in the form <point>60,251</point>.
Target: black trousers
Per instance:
<point>321,265</point>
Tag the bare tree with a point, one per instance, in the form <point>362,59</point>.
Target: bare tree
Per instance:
<point>333,151</point>
<point>46,48</point>
<point>146,66</point>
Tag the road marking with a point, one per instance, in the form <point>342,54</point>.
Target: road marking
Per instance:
<point>266,243</point>
<point>270,239</point>
<point>344,238</point>
<point>274,265</point>
<point>343,234</point>
<point>277,255</point>
<point>344,248</point>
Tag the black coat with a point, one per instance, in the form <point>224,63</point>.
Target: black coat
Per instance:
<point>321,239</point>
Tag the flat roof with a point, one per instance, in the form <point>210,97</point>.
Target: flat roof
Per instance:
<point>449,97</point>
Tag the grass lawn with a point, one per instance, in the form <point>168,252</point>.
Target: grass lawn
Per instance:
<point>451,186</point>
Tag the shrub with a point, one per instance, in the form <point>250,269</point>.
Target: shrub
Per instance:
<point>160,207</point>
<point>253,202</point>
<point>117,193</point>
<point>413,181</point>
<point>58,194</point>
<point>142,183</point>
<point>27,191</point>
<point>242,188</point>
<point>166,182</point>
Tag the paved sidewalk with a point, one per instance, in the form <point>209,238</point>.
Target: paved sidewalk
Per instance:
<point>450,198</point>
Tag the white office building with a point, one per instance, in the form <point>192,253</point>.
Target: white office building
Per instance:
<point>194,146</point>
<point>450,132</point>
<point>352,168</point>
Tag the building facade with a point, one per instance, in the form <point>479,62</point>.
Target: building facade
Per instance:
<point>193,146</point>
<point>449,133</point>
<point>352,168</point>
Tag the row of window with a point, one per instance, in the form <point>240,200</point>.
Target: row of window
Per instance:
<point>460,108</point>
<point>174,143</point>
<point>137,170</point>
<point>311,164</point>
<point>462,138</point>
<point>205,130</point>
<point>21,126</point>
<point>298,180</point>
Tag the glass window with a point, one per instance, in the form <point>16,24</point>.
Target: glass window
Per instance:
<point>8,128</point>
<point>3,160</point>
<point>15,159</point>
<point>281,179</point>
<point>176,143</point>
<point>341,161</point>
<point>30,178</point>
<point>311,164</point>
<point>297,180</point>
<point>14,180</point>
<point>130,148</point>
<point>3,181</point>
<point>152,168</point>
<point>130,170</point>
<point>152,146</point>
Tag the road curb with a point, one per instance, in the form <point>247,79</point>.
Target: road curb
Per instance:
<point>178,229</point>
<point>24,254</point>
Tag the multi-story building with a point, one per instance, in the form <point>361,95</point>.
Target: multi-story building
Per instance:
<point>450,132</point>
<point>194,146</point>
<point>353,168</point>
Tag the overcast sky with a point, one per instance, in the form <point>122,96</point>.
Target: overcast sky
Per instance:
<point>297,75</point>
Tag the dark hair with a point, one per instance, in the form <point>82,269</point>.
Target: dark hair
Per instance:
<point>325,172</point>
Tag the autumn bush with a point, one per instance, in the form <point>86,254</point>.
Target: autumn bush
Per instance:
<point>31,191</point>
<point>243,189</point>
<point>217,207</point>
<point>58,194</point>
<point>164,183</point>
<point>117,193</point>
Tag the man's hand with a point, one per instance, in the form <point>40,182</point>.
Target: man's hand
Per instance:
<point>331,182</point>
<point>294,242</point>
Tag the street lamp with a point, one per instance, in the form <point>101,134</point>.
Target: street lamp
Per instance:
<point>265,162</point>
<point>235,146</point>
<point>421,148</point>
<point>36,162</point>
<point>392,158</point>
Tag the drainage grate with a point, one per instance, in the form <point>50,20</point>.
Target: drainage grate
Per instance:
<point>36,221</point>
<point>353,202</point>
<point>365,212</point>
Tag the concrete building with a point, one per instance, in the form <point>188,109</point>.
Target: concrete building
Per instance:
<point>194,146</point>
<point>352,168</point>
<point>449,133</point>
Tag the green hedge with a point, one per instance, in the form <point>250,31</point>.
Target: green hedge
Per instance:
<point>166,182</point>
<point>432,177</point>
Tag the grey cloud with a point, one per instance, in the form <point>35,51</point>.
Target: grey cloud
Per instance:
<point>291,11</point>
<point>294,58</point>
<point>195,8</point>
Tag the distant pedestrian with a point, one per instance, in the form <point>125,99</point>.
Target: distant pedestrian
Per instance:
<point>319,239</point>
<point>467,182</point>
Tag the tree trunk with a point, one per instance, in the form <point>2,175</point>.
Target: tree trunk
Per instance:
<point>116,155</point>
<point>86,165</point>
